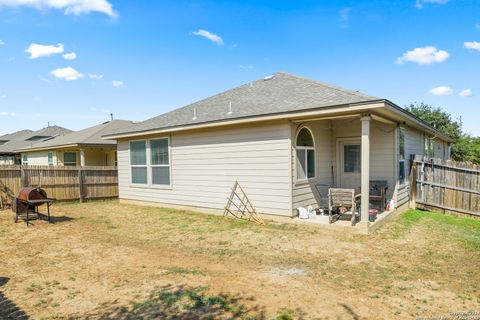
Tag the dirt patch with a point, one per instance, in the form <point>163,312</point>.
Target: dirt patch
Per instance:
<point>121,259</point>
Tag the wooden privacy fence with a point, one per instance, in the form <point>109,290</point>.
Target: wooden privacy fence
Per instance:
<point>63,183</point>
<point>445,185</point>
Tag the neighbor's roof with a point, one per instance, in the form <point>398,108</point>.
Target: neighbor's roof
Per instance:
<point>15,135</point>
<point>279,93</point>
<point>21,141</point>
<point>89,136</point>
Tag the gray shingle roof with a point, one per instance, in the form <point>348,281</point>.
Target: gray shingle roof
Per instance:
<point>21,141</point>
<point>88,136</point>
<point>15,135</point>
<point>279,93</point>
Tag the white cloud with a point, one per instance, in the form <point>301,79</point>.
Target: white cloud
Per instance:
<point>465,93</point>
<point>3,96</point>
<point>474,45</point>
<point>117,83</point>
<point>73,7</point>
<point>11,114</point>
<point>70,56</point>
<point>2,43</point>
<point>420,3</point>
<point>441,91</point>
<point>67,73</point>
<point>95,76</point>
<point>424,56</point>
<point>39,50</point>
<point>210,36</point>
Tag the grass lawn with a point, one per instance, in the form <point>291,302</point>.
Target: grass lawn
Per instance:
<point>114,261</point>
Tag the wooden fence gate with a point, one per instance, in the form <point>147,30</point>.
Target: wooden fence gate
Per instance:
<point>445,185</point>
<point>62,183</point>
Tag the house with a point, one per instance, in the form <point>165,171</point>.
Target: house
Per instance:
<point>9,143</point>
<point>84,147</point>
<point>284,138</point>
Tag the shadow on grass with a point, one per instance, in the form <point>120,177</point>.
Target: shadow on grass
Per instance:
<point>54,219</point>
<point>8,309</point>
<point>181,302</point>
<point>350,311</point>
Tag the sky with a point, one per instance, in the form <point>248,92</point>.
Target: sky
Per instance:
<point>73,62</point>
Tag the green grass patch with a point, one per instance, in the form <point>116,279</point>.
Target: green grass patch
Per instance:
<point>188,302</point>
<point>182,271</point>
<point>463,229</point>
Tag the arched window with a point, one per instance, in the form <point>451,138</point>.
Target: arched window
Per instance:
<point>305,155</point>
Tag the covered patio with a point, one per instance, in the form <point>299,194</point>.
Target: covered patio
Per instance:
<point>356,152</point>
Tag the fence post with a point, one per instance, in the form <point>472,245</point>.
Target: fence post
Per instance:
<point>413,183</point>
<point>80,185</point>
<point>23,178</point>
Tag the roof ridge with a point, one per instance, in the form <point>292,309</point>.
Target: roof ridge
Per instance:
<point>102,127</point>
<point>328,85</point>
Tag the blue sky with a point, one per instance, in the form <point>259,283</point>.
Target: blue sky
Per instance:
<point>139,59</point>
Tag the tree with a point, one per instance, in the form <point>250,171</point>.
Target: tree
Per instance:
<point>465,147</point>
<point>437,118</point>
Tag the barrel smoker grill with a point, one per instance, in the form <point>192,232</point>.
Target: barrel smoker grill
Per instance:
<point>25,205</point>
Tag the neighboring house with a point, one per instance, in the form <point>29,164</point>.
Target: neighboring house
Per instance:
<point>9,143</point>
<point>286,139</point>
<point>81,148</point>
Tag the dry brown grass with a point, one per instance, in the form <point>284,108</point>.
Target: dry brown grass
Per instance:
<point>115,261</point>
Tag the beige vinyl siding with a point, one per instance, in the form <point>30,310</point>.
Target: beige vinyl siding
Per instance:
<point>306,193</point>
<point>326,134</point>
<point>39,158</point>
<point>414,144</point>
<point>382,148</point>
<point>205,164</point>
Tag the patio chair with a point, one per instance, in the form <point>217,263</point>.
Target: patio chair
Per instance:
<point>341,200</point>
<point>378,193</point>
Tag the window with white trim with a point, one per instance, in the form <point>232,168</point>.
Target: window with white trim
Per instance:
<point>25,160</point>
<point>159,161</point>
<point>401,155</point>
<point>138,162</point>
<point>150,162</point>
<point>305,150</point>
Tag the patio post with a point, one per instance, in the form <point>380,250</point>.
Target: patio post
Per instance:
<point>82,157</point>
<point>365,169</point>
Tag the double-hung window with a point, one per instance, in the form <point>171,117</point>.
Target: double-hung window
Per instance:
<point>401,155</point>
<point>305,155</point>
<point>150,162</point>
<point>159,162</point>
<point>138,162</point>
<point>25,160</point>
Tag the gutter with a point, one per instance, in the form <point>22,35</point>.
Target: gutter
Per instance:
<point>73,145</point>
